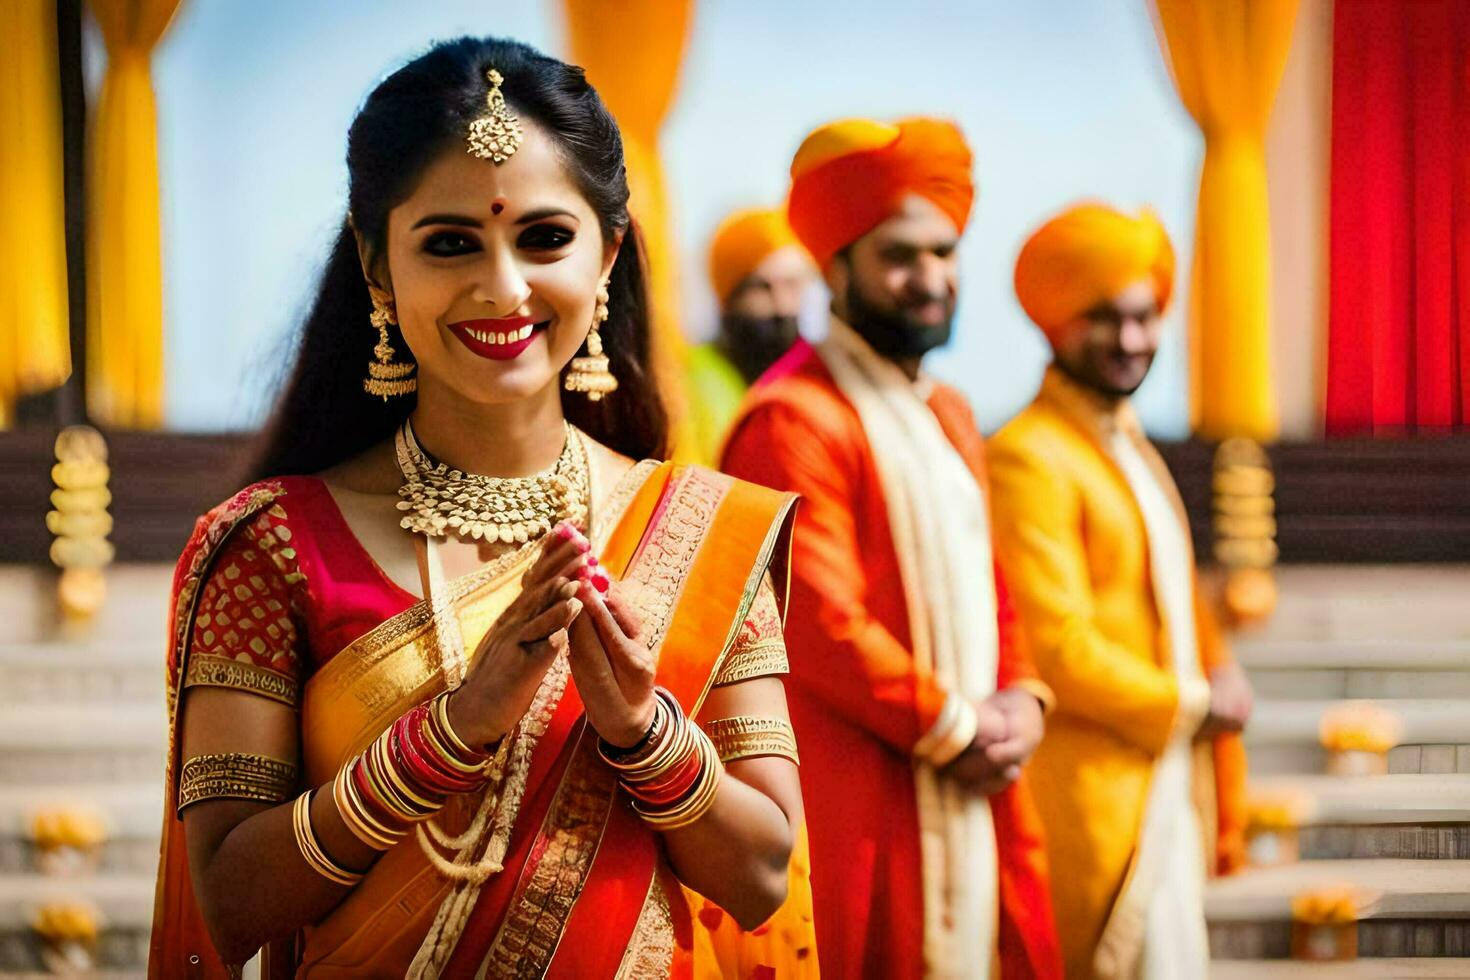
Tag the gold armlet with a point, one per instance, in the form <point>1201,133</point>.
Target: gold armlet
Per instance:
<point>235,776</point>
<point>746,735</point>
<point>764,659</point>
<point>212,671</point>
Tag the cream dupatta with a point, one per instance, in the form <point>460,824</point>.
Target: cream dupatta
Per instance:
<point>941,530</point>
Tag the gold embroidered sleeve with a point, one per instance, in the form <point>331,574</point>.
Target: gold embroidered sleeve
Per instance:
<point>760,649</point>
<point>745,736</point>
<point>246,634</point>
<point>235,776</point>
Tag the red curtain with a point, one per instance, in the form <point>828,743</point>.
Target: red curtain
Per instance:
<point>1399,329</point>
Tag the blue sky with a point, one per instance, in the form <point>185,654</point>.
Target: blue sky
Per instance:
<point>1061,99</point>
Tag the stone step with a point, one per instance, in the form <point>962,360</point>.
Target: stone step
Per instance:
<point>131,816</point>
<point>1385,817</point>
<point>1404,968</point>
<point>125,901</point>
<point>124,904</point>
<point>1355,603</point>
<point>1393,889</point>
<point>1275,760</point>
<point>1317,654</point>
<point>1317,670</point>
<point>71,744</point>
<point>57,673</point>
<point>136,609</point>
<point>1406,907</point>
<point>71,726</point>
<point>1425,721</point>
<point>1406,799</point>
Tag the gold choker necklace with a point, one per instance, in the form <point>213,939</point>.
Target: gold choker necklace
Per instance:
<point>438,500</point>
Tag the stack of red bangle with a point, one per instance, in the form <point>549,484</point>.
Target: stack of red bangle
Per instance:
<point>674,773</point>
<point>406,775</point>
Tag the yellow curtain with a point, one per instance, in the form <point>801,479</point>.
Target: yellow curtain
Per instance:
<point>124,261</point>
<point>632,51</point>
<point>1227,58</point>
<point>35,353</point>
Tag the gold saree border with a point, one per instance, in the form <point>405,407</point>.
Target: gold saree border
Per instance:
<point>397,662</point>
<point>650,954</point>
<point>572,831</point>
<point>573,827</point>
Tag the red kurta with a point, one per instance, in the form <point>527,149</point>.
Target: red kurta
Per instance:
<point>858,699</point>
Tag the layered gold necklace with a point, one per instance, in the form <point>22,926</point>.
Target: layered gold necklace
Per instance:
<point>438,500</point>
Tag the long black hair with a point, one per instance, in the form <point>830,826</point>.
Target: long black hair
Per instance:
<point>324,417</point>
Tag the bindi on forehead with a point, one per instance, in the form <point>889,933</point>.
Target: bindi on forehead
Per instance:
<point>497,206</point>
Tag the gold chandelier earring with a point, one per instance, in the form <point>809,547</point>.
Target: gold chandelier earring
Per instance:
<point>386,378</point>
<point>590,374</point>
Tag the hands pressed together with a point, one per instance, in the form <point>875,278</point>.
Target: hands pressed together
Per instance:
<point>568,603</point>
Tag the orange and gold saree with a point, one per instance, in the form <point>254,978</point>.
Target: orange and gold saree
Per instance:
<point>584,890</point>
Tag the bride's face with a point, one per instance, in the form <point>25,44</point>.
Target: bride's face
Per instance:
<point>494,270</point>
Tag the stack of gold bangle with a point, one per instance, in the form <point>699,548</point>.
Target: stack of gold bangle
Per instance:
<point>674,774</point>
<point>311,848</point>
<point>364,826</point>
<point>406,775</point>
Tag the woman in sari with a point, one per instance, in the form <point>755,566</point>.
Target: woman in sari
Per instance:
<point>457,687</point>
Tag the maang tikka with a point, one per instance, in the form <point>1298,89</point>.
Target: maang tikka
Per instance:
<point>496,135</point>
<point>385,377</point>
<point>590,374</point>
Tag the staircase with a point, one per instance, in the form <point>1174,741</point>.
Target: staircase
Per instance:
<point>82,727</point>
<point>1399,636</point>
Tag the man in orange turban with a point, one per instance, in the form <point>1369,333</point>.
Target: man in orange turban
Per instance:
<point>760,274</point>
<point>915,708</point>
<point>1095,543</point>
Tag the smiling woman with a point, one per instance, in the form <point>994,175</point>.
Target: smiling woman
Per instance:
<point>420,668</point>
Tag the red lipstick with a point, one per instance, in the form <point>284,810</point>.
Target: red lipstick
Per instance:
<point>498,340</point>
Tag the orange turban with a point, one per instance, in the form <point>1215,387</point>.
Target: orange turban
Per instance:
<point>1086,255</point>
<point>743,241</point>
<point>849,176</point>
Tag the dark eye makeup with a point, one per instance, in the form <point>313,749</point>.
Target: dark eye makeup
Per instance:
<point>543,237</point>
<point>546,237</point>
<point>446,244</point>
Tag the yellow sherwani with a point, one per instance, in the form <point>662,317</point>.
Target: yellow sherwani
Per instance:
<point>1073,542</point>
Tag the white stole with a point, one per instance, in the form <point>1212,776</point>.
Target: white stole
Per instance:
<point>1166,888</point>
<point>941,533</point>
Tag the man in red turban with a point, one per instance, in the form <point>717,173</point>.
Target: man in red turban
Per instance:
<point>915,707</point>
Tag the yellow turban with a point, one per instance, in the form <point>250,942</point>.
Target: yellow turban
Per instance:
<point>743,241</point>
<point>850,176</point>
<point>1086,255</point>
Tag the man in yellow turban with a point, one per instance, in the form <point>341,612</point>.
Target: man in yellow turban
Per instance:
<point>1139,778</point>
<point>760,275</point>
<point>915,709</point>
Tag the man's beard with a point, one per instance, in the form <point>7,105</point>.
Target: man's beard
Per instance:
<point>1086,373</point>
<point>893,334</point>
<point>754,343</point>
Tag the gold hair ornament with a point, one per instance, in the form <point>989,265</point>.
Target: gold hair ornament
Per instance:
<point>496,135</point>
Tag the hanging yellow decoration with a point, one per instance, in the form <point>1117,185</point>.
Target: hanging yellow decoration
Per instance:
<point>124,242</point>
<point>1227,58</point>
<point>35,351</point>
